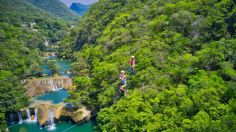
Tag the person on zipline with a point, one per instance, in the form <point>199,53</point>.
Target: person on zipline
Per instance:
<point>132,64</point>
<point>123,82</point>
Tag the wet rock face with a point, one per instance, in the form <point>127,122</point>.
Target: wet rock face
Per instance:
<point>43,113</point>
<point>75,114</point>
<point>38,86</point>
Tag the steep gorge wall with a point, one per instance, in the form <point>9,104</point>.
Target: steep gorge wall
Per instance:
<point>38,86</point>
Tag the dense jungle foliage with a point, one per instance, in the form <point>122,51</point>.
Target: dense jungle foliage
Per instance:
<point>186,64</point>
<point>22,31</point>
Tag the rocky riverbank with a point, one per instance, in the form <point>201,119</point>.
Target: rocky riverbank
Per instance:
<point>76,114</point>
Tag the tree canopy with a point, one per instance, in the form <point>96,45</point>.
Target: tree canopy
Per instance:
<point>185,54</point>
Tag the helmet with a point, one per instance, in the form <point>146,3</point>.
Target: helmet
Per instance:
<point>132,56</point>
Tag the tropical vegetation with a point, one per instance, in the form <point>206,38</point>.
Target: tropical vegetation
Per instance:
<point>186,64</point>
<point>23,30</point>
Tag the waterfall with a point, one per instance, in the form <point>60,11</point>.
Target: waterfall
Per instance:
<point>54,87</point>
<point>51,123</point>
<point>28,114</point>
<point>35,114</point>
<point>11,118</point>
<point>20,117</point>
<point>51,118</point>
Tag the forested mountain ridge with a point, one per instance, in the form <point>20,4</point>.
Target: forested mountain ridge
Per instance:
<point>56,8</point>
<point>186,64</point>
<point>16,11</point>
<point>22,13</point>
<point>79,8</point>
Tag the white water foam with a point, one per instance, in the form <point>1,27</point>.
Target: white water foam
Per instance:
<point>20,117</point>
<point>50,120</point>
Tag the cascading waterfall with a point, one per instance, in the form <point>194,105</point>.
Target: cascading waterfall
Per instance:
<point>28,119</point>
<point>54,87</point>
<point>51,123</point>
<point>28,114</point>
<point>35,114</point>
<point>20,117</point>
<point>60,84</point>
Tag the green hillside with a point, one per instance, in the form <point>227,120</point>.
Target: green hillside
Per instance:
<point>22,31</point>
<point>56,8</point>
<point>16,11</point>
<point>21,13</point>
<point>18,55</point>
<point>186,64</point>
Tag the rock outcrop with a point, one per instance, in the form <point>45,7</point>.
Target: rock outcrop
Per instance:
<point>38,86</point>
<point>42,113</point>
<point>76,114</point>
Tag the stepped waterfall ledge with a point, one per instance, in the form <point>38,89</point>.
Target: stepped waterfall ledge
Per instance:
<point>39,86</point>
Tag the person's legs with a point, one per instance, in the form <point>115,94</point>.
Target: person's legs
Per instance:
<point>129,69</point>
<point>133,69</point>
<point>125,90</point>
<point>122,88</point>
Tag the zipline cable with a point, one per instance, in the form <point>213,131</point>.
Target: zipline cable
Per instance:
<point>65,130</point>
<point>52,69</point>
<point>90,93</point>
<point>41,72</point>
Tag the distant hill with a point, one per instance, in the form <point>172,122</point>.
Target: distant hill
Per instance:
<point>79,8</point>
<point>17,11</point>
<point>56,8</point>
<point>21,13</point>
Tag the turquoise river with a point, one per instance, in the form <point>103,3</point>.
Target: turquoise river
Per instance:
<point>55,97</point>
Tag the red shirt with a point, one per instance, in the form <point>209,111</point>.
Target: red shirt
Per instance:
<point>132,62</point>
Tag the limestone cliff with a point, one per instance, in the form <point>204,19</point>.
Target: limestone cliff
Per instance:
<point>38,86</point>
